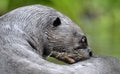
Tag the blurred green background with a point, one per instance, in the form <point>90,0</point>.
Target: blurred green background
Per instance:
<point>99,19</point>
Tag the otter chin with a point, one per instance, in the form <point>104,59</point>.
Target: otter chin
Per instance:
<point>70,58</point>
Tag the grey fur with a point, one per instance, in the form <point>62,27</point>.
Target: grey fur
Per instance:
<point>27,32</point>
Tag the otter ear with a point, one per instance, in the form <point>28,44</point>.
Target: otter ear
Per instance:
<point>56,22</point>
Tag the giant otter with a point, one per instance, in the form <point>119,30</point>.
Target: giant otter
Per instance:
<point>41,30</point>
<point>30,33</point>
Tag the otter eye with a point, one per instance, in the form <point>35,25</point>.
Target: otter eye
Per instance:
<point>83,39</point>
<point>83,42</point>
<point>57,22</point>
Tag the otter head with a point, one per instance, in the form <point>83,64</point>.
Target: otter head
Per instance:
<point>64,40</point>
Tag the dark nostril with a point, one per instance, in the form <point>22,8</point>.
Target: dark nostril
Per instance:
<point>90,54</point>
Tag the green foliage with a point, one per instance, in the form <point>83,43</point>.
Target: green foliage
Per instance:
<point>50,59</point>
<point>18,3</point>
<point>3,6</point>
<point>99,19</point>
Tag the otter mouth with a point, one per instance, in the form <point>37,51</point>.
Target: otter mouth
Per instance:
<point>70,58</point>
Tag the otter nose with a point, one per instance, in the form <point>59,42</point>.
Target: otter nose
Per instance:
<point>90,53</point>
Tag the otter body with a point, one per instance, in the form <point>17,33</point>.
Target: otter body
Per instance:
<point>28,34</point>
